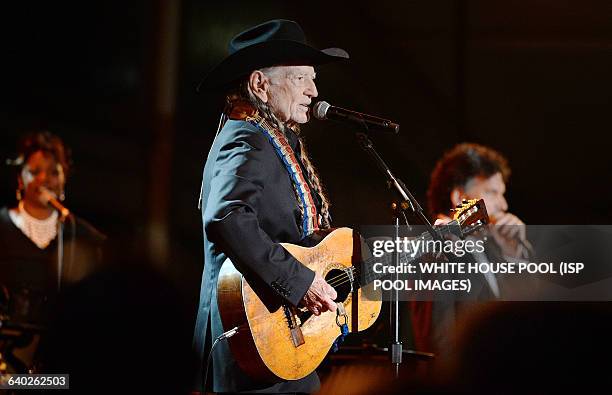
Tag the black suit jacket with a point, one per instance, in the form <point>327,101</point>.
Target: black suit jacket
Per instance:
<point>248,207</point>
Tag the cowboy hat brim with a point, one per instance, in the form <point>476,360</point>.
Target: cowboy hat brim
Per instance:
<point>266,54</point>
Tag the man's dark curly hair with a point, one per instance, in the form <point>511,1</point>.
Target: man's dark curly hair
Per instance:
<point>457,167</point>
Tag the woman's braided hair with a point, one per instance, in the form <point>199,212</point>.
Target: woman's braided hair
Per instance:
<point>245,93</point>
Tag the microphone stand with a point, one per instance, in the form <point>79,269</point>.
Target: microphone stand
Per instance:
<point>60,251</point>
<point>408,202</point>
<point>60,246</point>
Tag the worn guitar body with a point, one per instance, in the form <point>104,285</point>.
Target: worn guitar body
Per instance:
<point>289,343</point>
<point>279,342</point>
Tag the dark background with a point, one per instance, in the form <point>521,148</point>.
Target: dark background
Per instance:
<point>529,78</point>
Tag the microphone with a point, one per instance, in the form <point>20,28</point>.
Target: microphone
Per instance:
<point>49,197</point>
<point>323,110</point>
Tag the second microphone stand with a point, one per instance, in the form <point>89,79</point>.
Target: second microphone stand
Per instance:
<point>407,203</point>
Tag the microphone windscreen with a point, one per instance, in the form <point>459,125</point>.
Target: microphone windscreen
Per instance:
<point>319,110</point>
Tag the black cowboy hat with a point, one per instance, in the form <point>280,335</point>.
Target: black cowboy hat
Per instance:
<point>275,42</point>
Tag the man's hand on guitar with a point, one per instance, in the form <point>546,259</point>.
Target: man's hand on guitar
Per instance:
<point>320,296</point>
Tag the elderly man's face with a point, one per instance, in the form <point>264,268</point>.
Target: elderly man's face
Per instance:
<point>291,91</point>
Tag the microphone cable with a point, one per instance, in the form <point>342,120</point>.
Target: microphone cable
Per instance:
<point>223,336</point>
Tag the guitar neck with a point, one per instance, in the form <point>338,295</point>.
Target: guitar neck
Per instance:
<point>368,274</point>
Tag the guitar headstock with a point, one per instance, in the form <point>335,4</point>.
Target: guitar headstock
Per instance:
<point>470,215</point>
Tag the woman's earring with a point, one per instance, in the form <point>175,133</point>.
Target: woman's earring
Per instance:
<point>62,196</point>
<point>18,194</point>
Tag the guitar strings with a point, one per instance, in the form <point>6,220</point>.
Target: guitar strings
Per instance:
<point>344,277</point>
<point>340,279</point>
<point>334,281</point>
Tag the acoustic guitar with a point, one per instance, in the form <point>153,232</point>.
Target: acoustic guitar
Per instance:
<point>276,341</point>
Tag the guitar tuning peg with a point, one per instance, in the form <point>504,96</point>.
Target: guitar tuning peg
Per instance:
<point>459,205</point>
<point>464,201</point>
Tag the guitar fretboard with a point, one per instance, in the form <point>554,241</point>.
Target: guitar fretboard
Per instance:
<point>368,274</point>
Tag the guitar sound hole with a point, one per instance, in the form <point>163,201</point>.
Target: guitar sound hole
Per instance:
<point>340,281</point>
